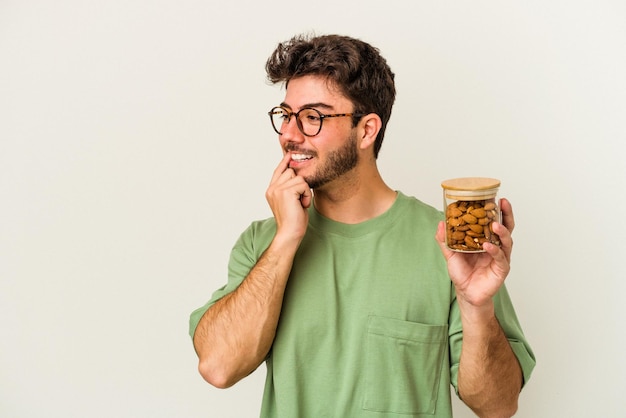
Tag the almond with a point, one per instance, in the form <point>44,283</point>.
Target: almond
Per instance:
<point>478,212</point>
<point>469,218</point>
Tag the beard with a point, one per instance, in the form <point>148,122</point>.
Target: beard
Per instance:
<point>338,163</point>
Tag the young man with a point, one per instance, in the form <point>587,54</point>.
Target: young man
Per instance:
<point>355,308</point>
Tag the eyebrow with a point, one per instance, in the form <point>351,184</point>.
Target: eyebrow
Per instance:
<point>314,105</point>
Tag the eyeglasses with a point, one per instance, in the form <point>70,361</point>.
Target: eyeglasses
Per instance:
<point>309,120</point>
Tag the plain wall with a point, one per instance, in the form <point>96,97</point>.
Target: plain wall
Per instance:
<point>135,147</point>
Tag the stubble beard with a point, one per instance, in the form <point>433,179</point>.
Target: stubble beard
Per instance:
<point>338,163</point>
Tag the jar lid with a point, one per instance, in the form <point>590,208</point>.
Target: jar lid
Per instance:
<point>468,188</point>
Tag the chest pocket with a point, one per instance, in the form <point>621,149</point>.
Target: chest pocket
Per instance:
<point>404,365</point>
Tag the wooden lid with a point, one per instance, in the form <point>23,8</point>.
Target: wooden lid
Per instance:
<point>470,183</point>
<point>471,188</point>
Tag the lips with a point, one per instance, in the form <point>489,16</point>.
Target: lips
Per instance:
<point>300,157</point>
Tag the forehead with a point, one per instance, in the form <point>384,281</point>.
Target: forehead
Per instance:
<point>306,90</point>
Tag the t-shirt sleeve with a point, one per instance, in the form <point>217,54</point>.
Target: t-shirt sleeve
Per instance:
<point>243,256</point>
<point>509,322</point>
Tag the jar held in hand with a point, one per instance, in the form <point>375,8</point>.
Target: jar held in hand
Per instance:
<point>470,209</point>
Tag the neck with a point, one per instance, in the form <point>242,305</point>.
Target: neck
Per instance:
<point>355,198</point>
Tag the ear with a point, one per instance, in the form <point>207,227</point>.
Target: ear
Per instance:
<point>370,125</point>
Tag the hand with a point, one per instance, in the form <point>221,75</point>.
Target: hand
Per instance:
<point>478,276</point>
<point>289,197</point>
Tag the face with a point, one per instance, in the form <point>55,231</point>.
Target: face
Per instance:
<point>333,152</point>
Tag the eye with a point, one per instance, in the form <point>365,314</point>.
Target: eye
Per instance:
<point>280,115</point>
<point>310,116</point>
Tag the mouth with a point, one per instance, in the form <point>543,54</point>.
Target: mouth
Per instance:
<point>300,158</point>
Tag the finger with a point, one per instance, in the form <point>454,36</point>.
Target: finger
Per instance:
<point>501,264</point>
<point>506,240</point>
<point>306,197</point>
<point>440,236</point>
<point>508,220</point>
<point>291,186</point>
<point>299,187</point>
<point>281,168</point>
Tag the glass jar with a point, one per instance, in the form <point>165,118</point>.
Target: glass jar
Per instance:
<point>470,208</point>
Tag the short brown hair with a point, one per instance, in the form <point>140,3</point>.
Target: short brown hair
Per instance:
<point>354,66</point>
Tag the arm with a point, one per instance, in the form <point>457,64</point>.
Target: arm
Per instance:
<point>490,376</point>
<point>236,333</point>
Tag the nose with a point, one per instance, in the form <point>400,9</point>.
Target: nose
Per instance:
<point>291,132</point>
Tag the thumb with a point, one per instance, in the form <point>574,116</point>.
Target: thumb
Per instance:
<point>440,237</point>
<point>306,198</point>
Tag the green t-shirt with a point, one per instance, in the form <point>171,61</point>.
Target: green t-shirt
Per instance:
<point>369,325</point>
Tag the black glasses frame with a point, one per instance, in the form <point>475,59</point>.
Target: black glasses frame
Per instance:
<point>322,116</point>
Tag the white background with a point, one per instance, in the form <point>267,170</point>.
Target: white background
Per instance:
<point>135,147</point>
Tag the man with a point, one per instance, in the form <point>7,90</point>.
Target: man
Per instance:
<point>344,293</point>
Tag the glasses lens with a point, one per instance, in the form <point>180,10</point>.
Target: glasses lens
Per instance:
<point>279,116</point>
<point>310,121</point>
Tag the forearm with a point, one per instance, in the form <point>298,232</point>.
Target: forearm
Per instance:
<point>236,333</point>
<point>490,377</point>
